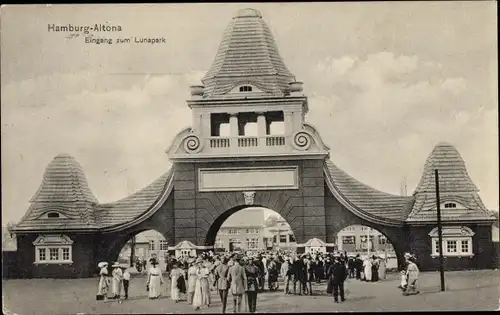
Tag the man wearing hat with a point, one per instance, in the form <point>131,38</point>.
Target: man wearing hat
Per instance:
<point>252,275</point>
<point>126,280</point>
<point>337,275</point>
<point>221,279</point>
<point>238,280</point>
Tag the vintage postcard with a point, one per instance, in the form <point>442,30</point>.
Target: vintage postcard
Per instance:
<point>249,157</point>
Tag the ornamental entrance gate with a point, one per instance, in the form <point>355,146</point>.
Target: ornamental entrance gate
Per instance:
<point>219,167</point>
<point>249,145</point>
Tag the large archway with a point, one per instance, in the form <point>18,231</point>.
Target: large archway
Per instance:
<point>142,247</point>
<point>366,241</point>
<point>242,222</point>
<point>252,229</point>
<point>143,244</point>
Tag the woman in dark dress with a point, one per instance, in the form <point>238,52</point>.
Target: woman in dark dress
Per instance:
<point>374,269</point>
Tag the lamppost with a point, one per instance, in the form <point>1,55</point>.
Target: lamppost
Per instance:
<point>440,230</point>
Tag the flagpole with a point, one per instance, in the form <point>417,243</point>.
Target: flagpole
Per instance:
<point>440,231</point>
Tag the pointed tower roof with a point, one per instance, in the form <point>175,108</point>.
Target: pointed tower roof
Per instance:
<point>453,176</point>
<point>64,181</point>
<point>247,54</point>
<point>64,190</point>
<point>455,186</point>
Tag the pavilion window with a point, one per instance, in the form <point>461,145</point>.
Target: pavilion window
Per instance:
<point>65,253</point>
<point>245,88</point>
<point>457,242</point>
<point>42,254</point>
<point>53,249</point>
<point>464,246</point>
<point>451,246</point>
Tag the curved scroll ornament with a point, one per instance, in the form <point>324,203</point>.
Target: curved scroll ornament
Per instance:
<point>302,140</point>
<point>192,144</point>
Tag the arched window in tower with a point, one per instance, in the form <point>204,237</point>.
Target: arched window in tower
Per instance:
<point>450,205</point>
<point>52,215</point>
<point>245,88</point>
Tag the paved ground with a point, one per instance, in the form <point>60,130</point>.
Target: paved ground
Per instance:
<point>466,290</point>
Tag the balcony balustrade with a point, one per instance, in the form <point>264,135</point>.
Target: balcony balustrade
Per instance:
<point>217,144</point>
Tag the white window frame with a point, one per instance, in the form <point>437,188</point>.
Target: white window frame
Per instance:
<point>458,234</point>
<point>163,245</point>
<point>151,245</point>
<point>47,242</point>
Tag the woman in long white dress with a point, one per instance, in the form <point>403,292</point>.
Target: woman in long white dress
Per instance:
<point>412,274</point>
<point>174,289</point>
<point>192,277</point>
<point>367,264</point>
<point>102,289</point>
<point>117,280</point>
<point>202,289</point>
<point>155,280</point>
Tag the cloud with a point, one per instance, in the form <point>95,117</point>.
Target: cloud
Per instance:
<point>118,129</point>
<point>387,112</point>
<point>454,85</point>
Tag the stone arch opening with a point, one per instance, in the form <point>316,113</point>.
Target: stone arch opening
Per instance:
<point>145,242</point>
<point>369,239</point>
<point>250,228</point>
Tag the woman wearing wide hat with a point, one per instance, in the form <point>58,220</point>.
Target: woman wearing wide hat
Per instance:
<point>102,289</point>
<point>191,279</point>
<point>155,280</point>
<point>175,276</point>
<point>202,289</point>
<point>117,278</point>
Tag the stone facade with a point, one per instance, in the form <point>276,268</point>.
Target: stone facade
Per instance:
<point>303,208</point>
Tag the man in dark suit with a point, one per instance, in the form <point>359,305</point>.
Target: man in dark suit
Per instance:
<point>358,265</point>
<point>262,272</point>
<point>299,275</point>
<point>221,278</point>
<point>338,274</point>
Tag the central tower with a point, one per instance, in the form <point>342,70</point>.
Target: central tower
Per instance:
<point>248,144</point>
<point>250,104</point>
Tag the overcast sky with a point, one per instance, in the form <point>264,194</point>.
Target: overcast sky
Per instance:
<point>386,82</point>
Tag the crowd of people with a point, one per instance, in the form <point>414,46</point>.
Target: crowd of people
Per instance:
<point>192,279</point>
